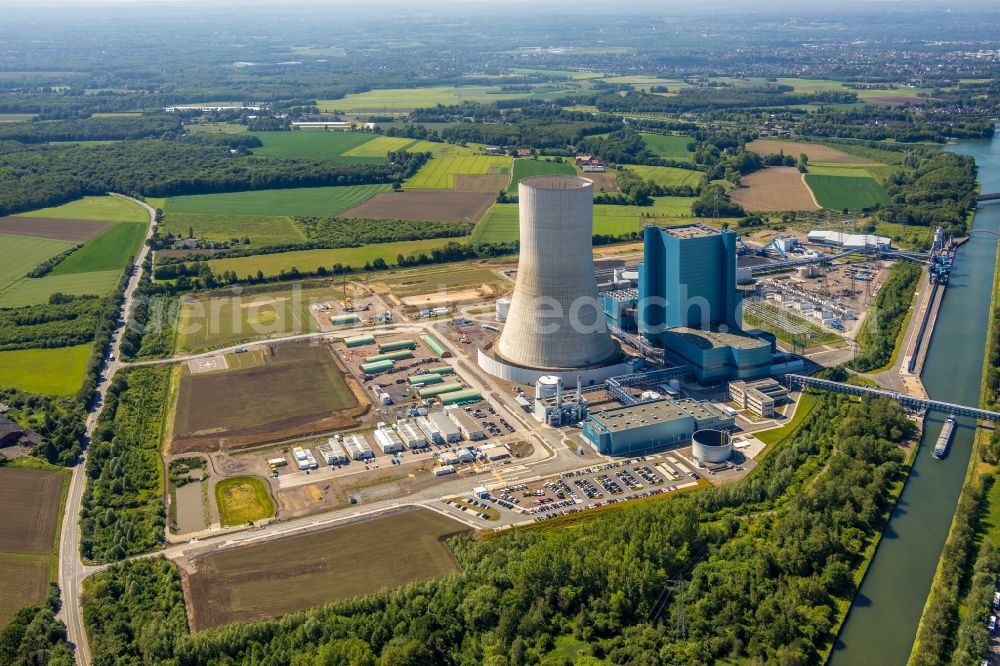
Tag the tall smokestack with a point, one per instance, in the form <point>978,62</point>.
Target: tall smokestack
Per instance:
<point>579,389</point>
<point>555,320</point>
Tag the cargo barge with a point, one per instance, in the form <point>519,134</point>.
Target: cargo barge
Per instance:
<point>944,439</point>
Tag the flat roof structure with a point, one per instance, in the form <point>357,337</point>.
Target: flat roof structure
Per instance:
<point>706,339</point>
<point>690,231</point>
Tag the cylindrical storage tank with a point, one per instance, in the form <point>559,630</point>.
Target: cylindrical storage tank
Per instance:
<point>556,320</point>
<point>711,446</point>
<point>503,309</point>
<point>675,384</point>
<point>547,386</point>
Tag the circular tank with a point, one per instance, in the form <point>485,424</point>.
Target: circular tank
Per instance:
<point>675,384</point>
<point>547,386</point>
<point>503,308</point>
<point>711,446</point>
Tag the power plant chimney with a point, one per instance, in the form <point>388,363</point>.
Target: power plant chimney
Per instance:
<point>579,389</point>
<point>555,319</point>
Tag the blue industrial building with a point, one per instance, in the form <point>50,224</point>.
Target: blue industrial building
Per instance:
<point>651,426</point>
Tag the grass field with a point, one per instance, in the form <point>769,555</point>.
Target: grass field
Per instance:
<point>906,236</point>
<point>109,251</point>
<point>211,322</point>
<point>314,144</point>
<point>667,176</point>
<point>877,171</point>
<point>243,499</point>
<point>500,224</point>
<point>299,389</point>
<point>429,279</point>
<point>20,254</point>
<point>282,576</point>
<point>668,146</point>
<point>310,260</point>
<point>379,146</point>
<point>261,230</point>
<point>417,98</point>
<point>438,173</point>
<point>853,193</point>
<point>527,167</point>
<point>32,291</point>
<point>315,201</point>
<point>111,209</point>
<point>440,149</point>
<point>57,371</point>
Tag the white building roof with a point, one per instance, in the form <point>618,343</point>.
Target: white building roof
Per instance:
<point>849,240</point>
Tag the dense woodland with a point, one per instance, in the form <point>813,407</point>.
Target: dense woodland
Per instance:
<point>35,637</point>
<point>934,188</point>
<point>767,561</point>
<point>63,322</point>
<point>93,129</point>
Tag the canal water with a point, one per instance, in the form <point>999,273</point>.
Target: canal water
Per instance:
<point>882,623</point>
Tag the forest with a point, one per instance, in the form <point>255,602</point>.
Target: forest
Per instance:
<point>34,636</point>
<point>707,99</point>
<point>127,128</point>
<point>934,188</point>
<point>767,563</point>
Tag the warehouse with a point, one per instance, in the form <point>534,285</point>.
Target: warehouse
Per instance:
<point>377,366</point>
<point>467,425</point>
<point>359,341</point>
<point>429,430</point>
<point>494,452</point>
<point>434,345</point>
<point>651,426</point>
<point>344,319</point>
<point>446,427</point>
<point>849,241</point>
<point>442,370</point>
<point>304,458</point>
<point>388,441</point>
<point>333,453</point>
<point>463,397</point>
<point>358,447</point>
<point>425,379</point>
<point>396,346</point>
<point>438,389</point>
<point>399,355</point>
<point>410,434</point>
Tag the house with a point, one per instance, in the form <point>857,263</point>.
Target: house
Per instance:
<point>494,150</point>
<point>524,152</point>
<point>12,433</point>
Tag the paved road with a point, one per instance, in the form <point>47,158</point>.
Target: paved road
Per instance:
<point>71,569</point>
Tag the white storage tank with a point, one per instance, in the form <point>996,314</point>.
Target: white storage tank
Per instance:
<point>711,446</point>
<point>547,386</point>
<point>503,308</point>
<point>675,384</point>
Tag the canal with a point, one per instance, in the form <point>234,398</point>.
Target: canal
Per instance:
<point>882,623</point>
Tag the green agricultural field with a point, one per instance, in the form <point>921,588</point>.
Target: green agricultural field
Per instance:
<point>527,167</point>
<point>216,128</point>
<point>262,231</point>
<point>667,176</point>
<point>849,192</point>
<point>20,254</point>
<point>16,117</point>
<point>315,201</point>
<point>35,291</point>
<point>417,98</point>
<point>109,251</point>
<point>327,145</point>
<point>669,146</point>
<point>879,172</point>
<point>209,322</point>
<point>111,209</point>
<point>500,224</point>
<point>310,260</point>
<point>439,172</point>
<point>441,149</point>
<point>56,371</point>
<point>379,146</point>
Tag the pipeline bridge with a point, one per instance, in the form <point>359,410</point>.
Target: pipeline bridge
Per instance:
<point>992,196</point>
<point>908,401</point>
<point>616,387</point>
<point>654,354</point>
<point>878,253</point>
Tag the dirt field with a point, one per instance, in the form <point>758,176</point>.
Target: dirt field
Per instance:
<point>76,231</point>
<point>30,501</point>
<point>606,182</point>
<point>300,390</point>
<point>431,205</point>
<point>296,573</point>
<point>490,183</point>
<point>774,188</point>
<point>816,152</point>
<point>25,582</point>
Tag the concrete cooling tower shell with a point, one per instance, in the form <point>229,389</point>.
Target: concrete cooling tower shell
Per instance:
<point>555,319</point>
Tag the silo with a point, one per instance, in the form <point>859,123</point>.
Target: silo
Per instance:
<point>711,446</point>
<point>503,308</point>
<point>555,319</point>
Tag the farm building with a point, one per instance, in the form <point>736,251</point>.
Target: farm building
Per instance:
<point>388,440</point>
<point>358,447</point>
<point>649,426</point>
<point>435,345</point>
<point>359,341</point>
<point>411,435</point>
<point>446,427</point>
<point>11,433</point>
<point>333,453</point>
<point>467,425</point>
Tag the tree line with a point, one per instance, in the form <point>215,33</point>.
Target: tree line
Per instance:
<point>128,128</point>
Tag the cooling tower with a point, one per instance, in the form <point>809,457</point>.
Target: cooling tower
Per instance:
<point>555,319</point>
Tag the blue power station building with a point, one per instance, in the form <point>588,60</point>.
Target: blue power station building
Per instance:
<point>689,305</point>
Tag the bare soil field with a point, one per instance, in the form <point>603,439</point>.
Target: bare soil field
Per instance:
<point>76,231</point>
<point>300,390</point>
<point>603,182</point>
<point>25,583</point>
<point>815,151</point>
<point>295,573</point>
<point>430,205</point>
<point>774,188</point>
<point>30,501</point>
<point>490,183</point>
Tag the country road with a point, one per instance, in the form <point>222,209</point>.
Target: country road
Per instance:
<point>72,570</point>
